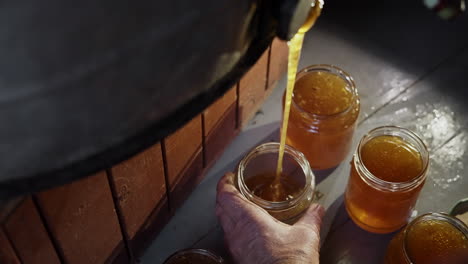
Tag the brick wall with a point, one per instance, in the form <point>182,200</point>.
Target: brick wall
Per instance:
<point>112,216</point>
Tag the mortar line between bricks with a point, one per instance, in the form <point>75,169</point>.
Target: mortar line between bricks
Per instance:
<point>204,163</point>
<point>237,104</point>
<point>120,218</point>
<point>268,67</point>
<point>13,246</point>
<point>53,240</point>
<point>166,174</point>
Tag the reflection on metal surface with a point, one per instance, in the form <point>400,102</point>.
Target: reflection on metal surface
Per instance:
<point>450,156</point>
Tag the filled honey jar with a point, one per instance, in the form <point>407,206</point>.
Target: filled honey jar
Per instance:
<point>324,110</point>
<point>194,256</point>
<point>388,171</point>
<point>432,238</point>
<point>286,197</point>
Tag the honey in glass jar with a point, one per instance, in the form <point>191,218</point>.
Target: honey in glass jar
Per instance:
<point>432,238</point>
<point>194,256</point>
<point>285,197</point>
<point>388,171</point>
<point>323,115</point>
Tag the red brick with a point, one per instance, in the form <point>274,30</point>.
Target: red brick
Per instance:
<point>215,112</point>
<point>28,235</point>
<point>181,147</point>
<point>155,222</point>
<point>220,135</point>
<point>252,88</point>
<point>140,186</point>
<point>82,218</point>
<point>7,253</point>
<point>219,125</point>
<point>141,194</point>
<point>278,62</point>
<point>9,206</point>
<point>189,178</point>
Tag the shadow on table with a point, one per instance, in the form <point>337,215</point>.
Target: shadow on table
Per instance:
<point>417,42</point>
<point>348,243</point>
<point>321,175</point>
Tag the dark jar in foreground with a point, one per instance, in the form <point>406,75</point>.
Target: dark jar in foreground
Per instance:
<point>194,256</point>
<point>433,238</point>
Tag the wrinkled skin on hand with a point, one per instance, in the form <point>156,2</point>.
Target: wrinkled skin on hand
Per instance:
<point>253,236</point>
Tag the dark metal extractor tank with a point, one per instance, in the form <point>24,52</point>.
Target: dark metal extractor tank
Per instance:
<point>86,84</point>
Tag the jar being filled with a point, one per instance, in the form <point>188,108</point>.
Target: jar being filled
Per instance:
<point>387,174</point>
<point>429,239</point>
<point>194,256</point>
<point>324,110</point>
<point>285,197</point>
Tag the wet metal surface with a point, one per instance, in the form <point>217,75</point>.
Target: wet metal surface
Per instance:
<point>413,74</point>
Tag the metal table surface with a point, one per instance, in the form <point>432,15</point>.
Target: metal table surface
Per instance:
<point>412,73</point>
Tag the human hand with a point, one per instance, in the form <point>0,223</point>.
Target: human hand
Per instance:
<point>254,236</point>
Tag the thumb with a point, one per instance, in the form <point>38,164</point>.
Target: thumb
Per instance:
<point>312,219</point>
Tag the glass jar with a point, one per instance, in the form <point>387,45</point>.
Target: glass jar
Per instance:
<point>324,110</point>
<point>375,201</point>
<point>430,238</point>
<point>194,256</point>
<point>258,169</point>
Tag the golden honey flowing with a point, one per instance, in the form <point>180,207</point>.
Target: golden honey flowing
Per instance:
<point>295,46</point>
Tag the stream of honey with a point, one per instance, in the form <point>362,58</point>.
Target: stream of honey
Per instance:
<point>295,45</point>
<point>278,186</point>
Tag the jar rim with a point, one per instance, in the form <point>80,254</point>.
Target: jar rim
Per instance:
<point>383,185</point>
<point>273,147</point>
<point>199,251</point>
<point>333,70</point>
<point>457,223</point>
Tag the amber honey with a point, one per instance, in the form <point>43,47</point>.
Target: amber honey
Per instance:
<point>286,199</point>
<point>281,192</point>
<point>266,187</point>
<point>387,174</point>
<point>295,46</point>
<point>430,239</point>
<point>391,159</point>
<point>194,256</point>
<point>323,115</point>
